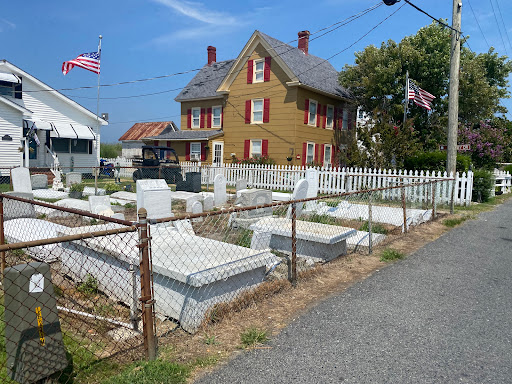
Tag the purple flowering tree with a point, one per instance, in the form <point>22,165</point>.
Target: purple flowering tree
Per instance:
<point>487,142</point>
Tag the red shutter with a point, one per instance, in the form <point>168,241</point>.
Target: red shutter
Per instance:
<point>250,64</point>
<point>304,152</point>
<point>222,117</point>
<point>203,151</point>
<point>155,143</point>
<point>264,147</point>
<point>325,117</point>
<point>318,114</point>
<point>266,110</point>
<point>247,148</point>
<point>202,117</point>
<point>322,153</point>
<point>266,72</point>
<point>169,144</point>
<point>209,118</point>
<point>306,111</point>
<point>335,121</point>
<point>247,111</point>
<point>189,118</point>
<point>187,151</point>
<point>316,152</point>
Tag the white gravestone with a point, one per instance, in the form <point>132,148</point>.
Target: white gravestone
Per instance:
<point>208,203</point>
<point>184,227</point>
<point>219,190</point>
<point>100,205</point>
<point>197,207</point>
<point>241,184</point>
<point>190,201</point>
<point>21,180</point>
<point>155,196</point>
<point>39,181</point>
<point>73,178</point>
<point>299,192</point>
<point>312,176</point>
<point>252,197</point>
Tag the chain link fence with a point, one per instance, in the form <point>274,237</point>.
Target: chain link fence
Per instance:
<point>114,287</point>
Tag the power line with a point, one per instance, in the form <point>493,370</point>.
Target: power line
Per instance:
<point>432,17</point>
<point>499,29</point>
<point>481,31</point>
<point>503,22</point>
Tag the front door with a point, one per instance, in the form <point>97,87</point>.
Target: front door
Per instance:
<point>218,153</point>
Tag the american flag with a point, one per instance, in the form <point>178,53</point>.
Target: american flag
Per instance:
<point>421,97</point>
<point>89,61</point>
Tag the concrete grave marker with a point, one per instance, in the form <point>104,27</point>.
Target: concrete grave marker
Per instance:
<point>21,180</point>
<point>208,203</point>
<point>14,209</point>
<point>312,175</point>
<point>73,178</point>
<point>184,227</point>
<point>299,192</point>
<point>197,207</point>
<point>39,181</point>
<point>99,204</point>
<point>251,197</point>
<point>219,190</point>
<point>241,184</point>
<point>155,196</point>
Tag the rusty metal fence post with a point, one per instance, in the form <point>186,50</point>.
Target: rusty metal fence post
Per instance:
<point>2,238</point>
<point>95,181</point>
<point>404,206</point>
<point>370,222</point>
<point>294,245</point>
<point>146,290</point>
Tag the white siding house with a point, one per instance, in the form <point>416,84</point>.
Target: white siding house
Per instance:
<point>62,126</point>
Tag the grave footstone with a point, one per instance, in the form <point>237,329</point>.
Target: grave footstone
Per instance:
<point>208,203</point>
<point>39,181</point>
<point>189,202</point>
<point>241,184</point>
<point>21,180</point>
<point>219,190</point>
<point>155,196</point>
<point>299,192</point>
<point>197,207</point>
<point>73,178</point>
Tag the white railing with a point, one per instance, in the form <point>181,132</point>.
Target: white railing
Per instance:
<point>503,181</point>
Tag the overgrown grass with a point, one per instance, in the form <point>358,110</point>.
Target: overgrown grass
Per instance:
<point>89,286</point>
<point>253,336</point>
<point>390,255</point>
<point>322,219</point>
<point>152,372</point>
<point>376,228</point>
<point>455,221</point>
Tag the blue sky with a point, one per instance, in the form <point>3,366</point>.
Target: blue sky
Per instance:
<point>148,38</point>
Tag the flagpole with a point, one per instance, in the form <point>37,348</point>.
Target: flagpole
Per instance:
<point>98,104</point>
<point>406,96</point>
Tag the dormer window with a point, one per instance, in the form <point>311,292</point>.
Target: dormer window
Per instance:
<point>10,85</point>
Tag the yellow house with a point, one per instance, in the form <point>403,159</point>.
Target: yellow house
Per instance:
<point>273,100</point>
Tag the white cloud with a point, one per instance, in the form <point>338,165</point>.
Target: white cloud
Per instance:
<point>4,22</point>
<point>199,12</point>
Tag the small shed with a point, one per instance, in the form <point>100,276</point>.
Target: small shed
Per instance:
<point>132,139</point>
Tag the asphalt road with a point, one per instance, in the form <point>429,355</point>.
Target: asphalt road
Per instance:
<point>443,315</point>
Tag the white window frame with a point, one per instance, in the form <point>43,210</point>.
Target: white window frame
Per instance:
<point>253,111</point>
<point>331,125</point>
<point>251,150</point>
<point>311,103</point>
<point>327,160</point>
<point>344,125</point>
<point>308,144</point>
<point>194,154</point>
<point>258,71</point>
<point>219,108</point>
<point>192,119</point>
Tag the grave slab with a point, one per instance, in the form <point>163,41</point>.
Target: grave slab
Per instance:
<point>122,195</point>
<point>99,204</point>
<point>14,209</point>
<point>155,196</point>
<point>90,191</point>
<point>39,181</point>
<point>191,273</point>
<point>20,177</point>
<point>252,197</point>
<point>49,194</point>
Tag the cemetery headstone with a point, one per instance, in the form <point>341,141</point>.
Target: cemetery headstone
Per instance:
<point>73,178</point>
<point>252,197</point>
<point>208,203</point>
<point>155,196</point>
<point>14,209</point>
<point>299,192</point>
<point>312,175</point>
<point>190,202</point>
<point>21,180</point>
<point>99,204</point>
<point>39,181</point>
<point>219,190</point>
<point>197,207</point>
<point>184,227</point>
<point>241,184</point>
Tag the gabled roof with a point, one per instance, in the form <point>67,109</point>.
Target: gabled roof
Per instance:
<point>188,135</point>
<point>142,130</point>
<point>12,68</point>
<point>205,82</point>
<point>12,104</point>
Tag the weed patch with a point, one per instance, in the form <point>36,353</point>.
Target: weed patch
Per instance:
<point>376,228</point>
<point>390,255</point>
<point>89,286</point>
<point>455,221</point>
<point>152,372</point>
<point>253,336</point>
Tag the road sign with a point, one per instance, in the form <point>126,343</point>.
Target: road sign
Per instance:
<point>460,147</point>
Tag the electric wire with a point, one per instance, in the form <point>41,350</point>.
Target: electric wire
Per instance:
<point>479,27</point>
<point>432,17</point>
<point>499,28</point>
<point>503,22</point>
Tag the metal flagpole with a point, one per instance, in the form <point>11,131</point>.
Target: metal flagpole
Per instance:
<point>98,105</point>
<point>406,96</point>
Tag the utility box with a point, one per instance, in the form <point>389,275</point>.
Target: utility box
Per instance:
<point>33,339</point>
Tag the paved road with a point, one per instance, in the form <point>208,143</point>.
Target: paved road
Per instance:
<point>443,315</point>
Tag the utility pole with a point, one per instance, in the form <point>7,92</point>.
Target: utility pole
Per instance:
<point>453,96</point>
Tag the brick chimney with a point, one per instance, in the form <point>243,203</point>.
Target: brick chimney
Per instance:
<point>212,55</point>
<point>304,41</point>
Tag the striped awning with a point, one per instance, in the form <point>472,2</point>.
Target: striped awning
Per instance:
<point>72,131</point>
<point>10,78</point>
<point>38,124</point>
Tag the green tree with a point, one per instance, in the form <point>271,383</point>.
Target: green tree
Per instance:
<point>377,80</point>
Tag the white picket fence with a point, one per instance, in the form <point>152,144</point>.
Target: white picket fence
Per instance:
<point>503,181</point>
<point>331,180</point>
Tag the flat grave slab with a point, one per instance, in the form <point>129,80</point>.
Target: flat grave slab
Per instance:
<point>90,191</point>
<point>123,195</point>
<point>14,209</point>
<point>320,242</point>
<point>49,194</point>
<point>281,196</point>
<point>191,273</point>
<point>362,240</point>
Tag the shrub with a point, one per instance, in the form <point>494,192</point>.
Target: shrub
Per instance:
<point>89,286</point>
<point>376,228</point>
<point>78,187</point>
<point>112,187</point>
<point>110,150</point>
<point>390,255</point>
<point>482,186</point>
<point>435,161</point>
<point>508,168</point>
<point>254,160</point>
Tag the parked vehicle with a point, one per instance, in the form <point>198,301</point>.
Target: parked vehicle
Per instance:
<point>158,163</point>
<point>106,169</point>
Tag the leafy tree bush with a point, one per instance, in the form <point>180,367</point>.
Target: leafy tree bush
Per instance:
<point>254,160</point>
<point>482,185</point>
<point>508,168</point>
<point>487,143</point>
<point>435,161</point>
<point>110,150</point>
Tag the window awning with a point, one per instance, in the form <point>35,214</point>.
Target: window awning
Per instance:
<point>72,131</point>
<point>39,124</point>
<point>10,77</point>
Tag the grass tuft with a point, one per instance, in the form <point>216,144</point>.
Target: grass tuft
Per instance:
<point>152,372</point>
<point>390,255</point>
<point>253,336</point>
<point>376,228</point>
<point>455,221</point>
